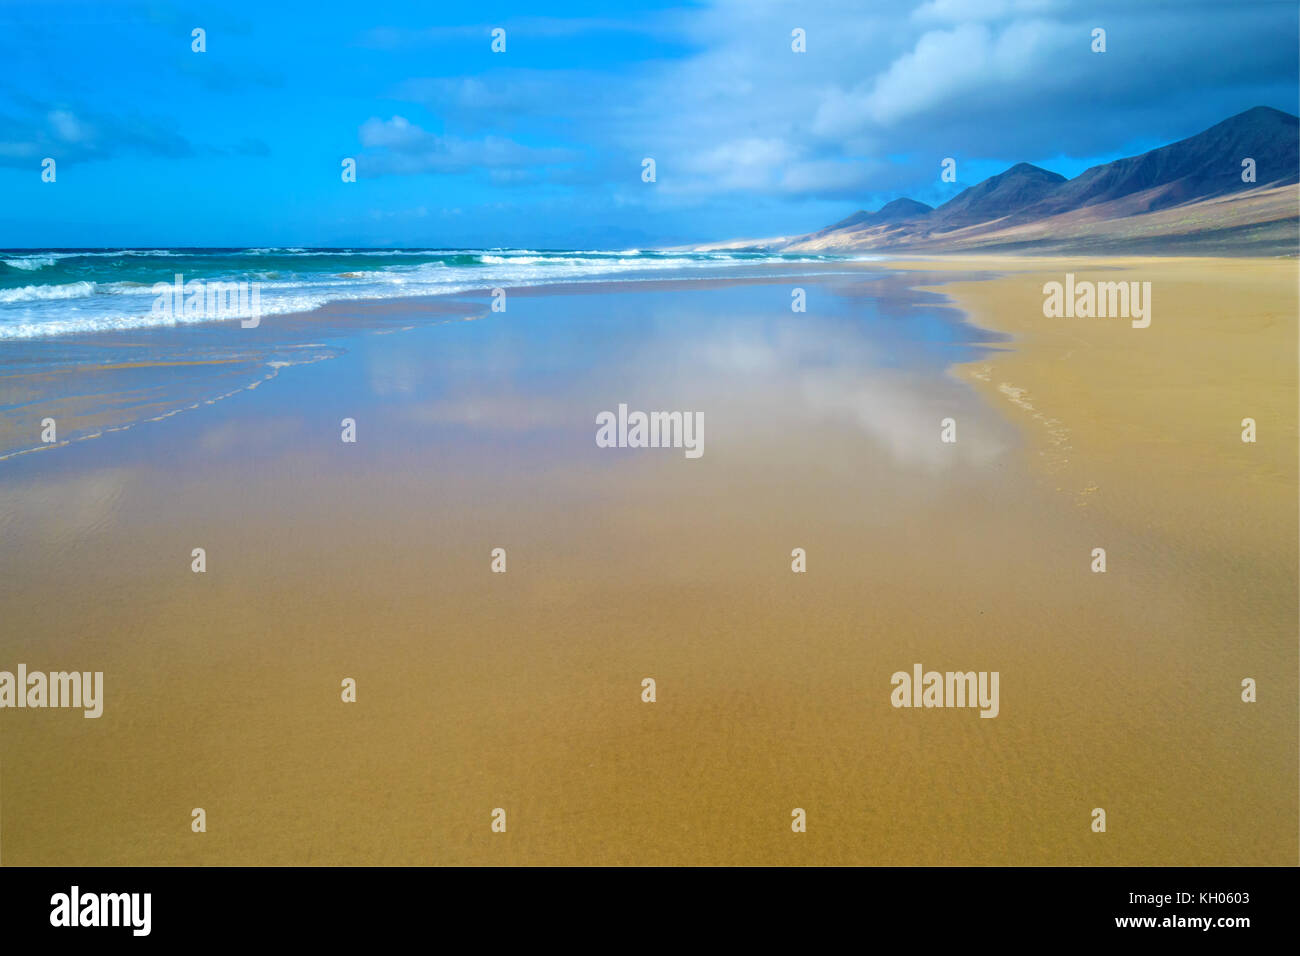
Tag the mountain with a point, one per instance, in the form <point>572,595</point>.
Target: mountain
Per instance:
<point>1207,164</point>
<point>1020,186</point>
<point>880,222</point>
<point>1187,196</point>
<point>897,211</point>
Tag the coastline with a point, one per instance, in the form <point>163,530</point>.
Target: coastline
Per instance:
<point>1105,404</point>
<point>522,690</point>
<point>1140,431</point>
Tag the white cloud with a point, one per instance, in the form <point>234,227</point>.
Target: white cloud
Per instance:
<point>947,68</point>
<point>403,147</point>
<point>67,127</point>
<point>883,91</point>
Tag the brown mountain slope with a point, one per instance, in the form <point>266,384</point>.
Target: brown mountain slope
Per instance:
<point>1264,221</point>
<point>1186,197</point>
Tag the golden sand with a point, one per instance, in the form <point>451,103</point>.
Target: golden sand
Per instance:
<point>522,691</point>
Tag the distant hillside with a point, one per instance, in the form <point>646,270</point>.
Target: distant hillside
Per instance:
<point>896,211</point>
<point>998,196</point>
<point>1207,164</point>
<point>1185,197</point>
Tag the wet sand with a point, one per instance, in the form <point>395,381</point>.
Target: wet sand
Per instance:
<point>523,690</point>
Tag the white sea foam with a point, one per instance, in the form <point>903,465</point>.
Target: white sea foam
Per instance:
<point>113,303</point>
<point>31,263</point>
<point>34,293</point>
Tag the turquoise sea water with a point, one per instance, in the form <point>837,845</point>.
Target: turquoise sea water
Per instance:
<point>868,340</point>
<point>60,291</point>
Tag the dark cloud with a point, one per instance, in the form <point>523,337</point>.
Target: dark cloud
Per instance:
<point>884,92</point>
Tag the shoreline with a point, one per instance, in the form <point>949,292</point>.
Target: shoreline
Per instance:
<point>1232,330</point>
<point>522,690</point>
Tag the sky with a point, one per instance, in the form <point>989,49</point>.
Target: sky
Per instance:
<point>542,145</point>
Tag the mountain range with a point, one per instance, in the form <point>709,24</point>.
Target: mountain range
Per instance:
<point>1188,197</point>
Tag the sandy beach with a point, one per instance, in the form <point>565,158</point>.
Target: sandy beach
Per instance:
<point>477,690</point>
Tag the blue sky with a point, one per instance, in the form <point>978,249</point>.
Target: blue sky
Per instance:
<point>541,146</point>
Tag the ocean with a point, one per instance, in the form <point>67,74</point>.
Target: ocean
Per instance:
<point>54,292</point>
